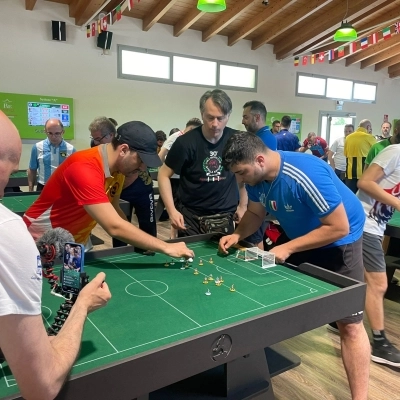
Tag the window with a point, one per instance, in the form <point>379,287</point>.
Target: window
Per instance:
<point>242,77</point>
<point>364,92</point>
<point>318,86</point>
<point>311,85</point>
<point>145,65</point>
<point>155,66</point>
<point>192,70</point>
<point>339,89</point>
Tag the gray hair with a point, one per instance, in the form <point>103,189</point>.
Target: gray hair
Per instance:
<point>103,125</point>
<point>219,98</point>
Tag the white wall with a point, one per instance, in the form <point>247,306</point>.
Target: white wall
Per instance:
<point>30,62</point>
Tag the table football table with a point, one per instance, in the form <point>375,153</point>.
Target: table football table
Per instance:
<point>161,326</point>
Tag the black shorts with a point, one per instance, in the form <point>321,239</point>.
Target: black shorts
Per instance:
<point>345,260</point>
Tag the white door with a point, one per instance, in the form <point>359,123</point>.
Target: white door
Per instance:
<point>331,124</point>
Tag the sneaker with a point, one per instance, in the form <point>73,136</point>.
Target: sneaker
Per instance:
<point>333,327</point>
<point>385,353</point>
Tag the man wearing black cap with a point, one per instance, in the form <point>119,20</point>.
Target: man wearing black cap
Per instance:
<point>85,191</point>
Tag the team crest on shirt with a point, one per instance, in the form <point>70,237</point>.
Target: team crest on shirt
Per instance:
<point>63,153</point>
<point>273,205</point>
<point>263,199</point>
<point>212,166</point>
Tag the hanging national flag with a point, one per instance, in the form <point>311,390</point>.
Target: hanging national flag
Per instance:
<point>386,33</point>
<point>130,5</point>
<point>364,43</point>
<point>296,61</point>
<point>304,60</point>
<point>104,25</point>
<point>99,27</point>
<point>373,39</point>
<point>340,51</point>
<point>93,28</point>
<point>331,55</point>
<point>352,47</point>
<point>118,12</point>
<point>397,27</point>
<point>321,57</point>
<point>88,30</point>
<point>312,58</point>
<point>109,18</point>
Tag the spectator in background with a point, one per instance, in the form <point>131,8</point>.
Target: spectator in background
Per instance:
<point>174,130</point>
<point>191,124</point>
<point>48,154</point>
<point>386,127</point>
<point>253,119</point>
<point>286,140</point>
<point>276,127</point>
<point>98,134</point>
<point>336,158</point>
<point>161,138</point>
<point>356,148</point>
<point>317,145</point>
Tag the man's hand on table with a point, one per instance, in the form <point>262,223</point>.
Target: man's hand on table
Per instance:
<point>178,250</point>
<point>226,242</point>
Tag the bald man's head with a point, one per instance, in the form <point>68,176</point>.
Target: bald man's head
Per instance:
<point>366,124</point>
<point>10,150</point>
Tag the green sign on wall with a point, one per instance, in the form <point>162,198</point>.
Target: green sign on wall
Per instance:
<point>30,112</point>
<point>296,121</point>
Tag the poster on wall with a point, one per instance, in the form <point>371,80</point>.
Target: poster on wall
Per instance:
<point>29,113</point>
<point>295,127</point>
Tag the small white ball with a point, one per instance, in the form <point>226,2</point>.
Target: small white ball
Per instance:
<point>190,259</point>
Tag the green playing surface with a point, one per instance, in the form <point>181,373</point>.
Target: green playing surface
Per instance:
<point>18,204</point>
<point>19,174</point>
<point>155,305</point>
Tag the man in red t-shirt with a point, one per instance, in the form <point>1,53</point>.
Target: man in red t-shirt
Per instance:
<point>317,145</point>
<point>85,191</point>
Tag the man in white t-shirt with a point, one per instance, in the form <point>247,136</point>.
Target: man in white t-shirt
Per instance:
<point>380,196</point>
<point>166,147</point>
<point>40,366</point>
<point>336,157</point>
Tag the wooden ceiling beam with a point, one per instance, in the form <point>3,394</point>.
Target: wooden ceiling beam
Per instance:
<point>85,10</point>
<point>358,23</point>
<point>275,7</point>
<point>288,22</point>
<point>387,63</point>
<point>394,68</point>
<point>157,13</point>
<point>234,11</point>
<point>394,74</point>
<point>30,4</point>
<point>384,55</point>
<point>308,33</point>
<point>187,21</point>
<point>372,50</point>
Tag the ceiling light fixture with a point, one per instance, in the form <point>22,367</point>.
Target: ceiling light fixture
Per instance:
<point>211,5</point>
<point>346,32</point>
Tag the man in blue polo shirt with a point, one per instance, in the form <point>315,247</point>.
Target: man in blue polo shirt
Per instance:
<point>286,140</point>
<point>322,218</point>
<point>48,154</point>
<point>254,117</point>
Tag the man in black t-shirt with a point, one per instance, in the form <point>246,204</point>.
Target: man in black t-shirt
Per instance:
<point>206,189</point>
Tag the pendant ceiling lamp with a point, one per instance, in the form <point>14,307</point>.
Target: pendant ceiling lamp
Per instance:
<point>346,32</point>
<point>211,5</point>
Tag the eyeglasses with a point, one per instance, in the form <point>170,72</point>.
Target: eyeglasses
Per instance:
<point>98,140</point>
<point>54,133</point>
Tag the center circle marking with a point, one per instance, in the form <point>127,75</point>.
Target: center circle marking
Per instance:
<point>152,287</point>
